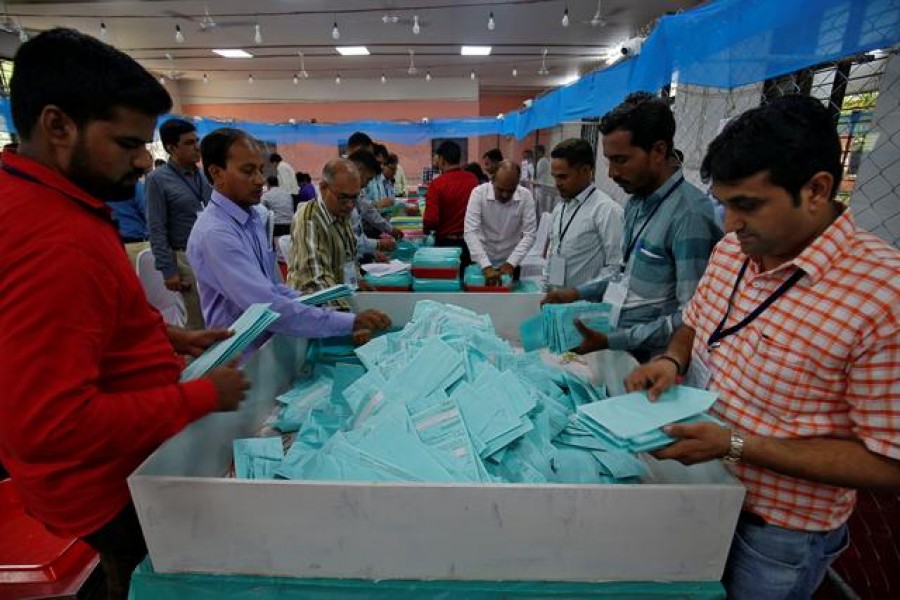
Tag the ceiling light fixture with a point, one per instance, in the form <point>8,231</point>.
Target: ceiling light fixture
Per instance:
<point>491,23</point>
<point>250,79</point>
<point>383,79</point>
<point>472,76</point>
<point>352,50</point>
<point>23,35</point>
<point>162,80</point>
<point>565,19</point>
<point>543,70</point>
<point>337,79</point>
<point>412,63</point>
<point>303,72</point>
<point>205,79</point>
<point>428,76</point>
<point>515,72</point>
<point>232,53</point>
<point>416,29</point>
<point>335,32</point>
<point>103,31</point>
<point>179,37</point>
<point>257,34</point>
<point>475,50</point>
<point>597,19</point>
<point>296,79</point>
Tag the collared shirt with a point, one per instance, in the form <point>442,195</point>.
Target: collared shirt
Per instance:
<point>89,376</point>
<point>364,244</point>
<point>527,171</point>
<point>371,218</point>
<point>129,215</point>
<point>499,232</point>
<point>542,173</point>
<point>446,201</point>
<point>307,192</point>
<point>587,232</point>
<point>174,198</point>
<point>287,179</point>
<point>665,265</point>
<point>281,203</point>
<point>823,361</point>
<point>235,267</point>
<point>400,182</point>
<point>321,245</point>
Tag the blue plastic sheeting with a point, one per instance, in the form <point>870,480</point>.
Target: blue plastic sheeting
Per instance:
<point>724,44</point>
<point>149,585</point>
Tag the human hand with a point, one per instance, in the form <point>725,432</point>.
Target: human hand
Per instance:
<point>361,336</point>
<point>396,234</point>
<point>656,377</point>
<point>374,320</point>
<point>194,342</point>
<point>175,284</point>
<point>696,443</point>
<point>231,385</point>
<point>491,276</point>
<point>507,269</point>
<point>381,257</point>
<point>560,296</point>
<point>387,244</point>
<point>592,340</point>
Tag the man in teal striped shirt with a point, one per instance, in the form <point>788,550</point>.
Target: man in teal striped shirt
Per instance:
<point>670,231</point>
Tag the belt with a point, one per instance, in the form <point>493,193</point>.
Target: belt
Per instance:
<point>133,240</point>
<point>751,518</point>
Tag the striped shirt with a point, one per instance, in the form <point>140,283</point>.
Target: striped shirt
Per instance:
<point>587,232</point>
<point>823,361</point>
<point>666,262</point>
<point>320,246</point>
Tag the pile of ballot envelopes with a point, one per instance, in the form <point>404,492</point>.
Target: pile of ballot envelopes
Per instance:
<point>444,399</point>
<point>554,327</point>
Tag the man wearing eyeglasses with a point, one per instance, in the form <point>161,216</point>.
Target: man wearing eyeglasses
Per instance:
<point>323,245</point>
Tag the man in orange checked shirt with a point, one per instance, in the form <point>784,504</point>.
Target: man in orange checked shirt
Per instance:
<point>796,325</point>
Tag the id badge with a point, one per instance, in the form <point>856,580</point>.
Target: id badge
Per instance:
<point>350,279</point>
<point>615,296</point>
<point>557,270</point>
<point>700,370</point>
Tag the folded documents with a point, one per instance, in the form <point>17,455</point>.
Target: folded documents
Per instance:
<point>560,332</point>
<point>377,270</point>
<point>436,285</point>
<point>335,292</point>
<point>248,327</point>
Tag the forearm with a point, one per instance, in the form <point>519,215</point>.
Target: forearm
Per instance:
<point>681,344</point>
<point>843,463</point>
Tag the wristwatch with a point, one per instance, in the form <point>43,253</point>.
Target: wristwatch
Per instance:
<point>736,450</point>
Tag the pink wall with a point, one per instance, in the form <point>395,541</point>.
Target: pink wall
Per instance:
<point>311,157</point>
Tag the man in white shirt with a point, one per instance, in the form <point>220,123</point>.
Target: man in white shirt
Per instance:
<point>543,187</point>
<point>281,203</point>
<point>527,168</point>
<point>587,225</point>
<point>500,223</point>
<point>287,179</point>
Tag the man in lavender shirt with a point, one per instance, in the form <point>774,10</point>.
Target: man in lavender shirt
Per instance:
<point>232,260</point>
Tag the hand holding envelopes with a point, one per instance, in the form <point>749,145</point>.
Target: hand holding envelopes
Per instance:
<point>335,292</point>
<point>247,328</point>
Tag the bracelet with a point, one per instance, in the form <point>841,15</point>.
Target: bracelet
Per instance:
<point>735,449</point>
<point>673,360</point>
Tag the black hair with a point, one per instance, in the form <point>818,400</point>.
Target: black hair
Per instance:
<point>214,148</point>
<point>172,130</point>
<point>646,117</point>
<point>302,178</point>
<point>392,159</point>
<point>158,162</point>
<point>575,151</point>
<point>475,169</point>
<point>84,77</point>
<point>494,154</point>
<point>275,158</point>
<point>449,151</point>
<point>359,139</point>
<point>380,150</point>
<point>272,181</point>
<point>793,138</point>
<point>366,160</point>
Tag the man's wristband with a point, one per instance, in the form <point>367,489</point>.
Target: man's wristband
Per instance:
<point>679,369</point>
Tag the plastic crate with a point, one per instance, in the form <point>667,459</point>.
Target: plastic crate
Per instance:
<point>435,273</point>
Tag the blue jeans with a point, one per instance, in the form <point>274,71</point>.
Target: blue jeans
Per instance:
<point>774,563</point>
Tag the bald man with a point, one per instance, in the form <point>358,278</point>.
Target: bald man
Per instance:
<point>500,223</point>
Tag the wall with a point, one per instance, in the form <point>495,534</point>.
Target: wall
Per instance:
<point>490,105</point>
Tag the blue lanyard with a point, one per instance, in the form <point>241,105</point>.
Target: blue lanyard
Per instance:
<point>634,240</point>
<point>198,192</point>
<point>562,215</point>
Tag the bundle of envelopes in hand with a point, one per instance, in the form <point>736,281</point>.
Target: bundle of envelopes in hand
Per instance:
<point>335,292</point>
<point>248,327</point>
<point>555,327</point>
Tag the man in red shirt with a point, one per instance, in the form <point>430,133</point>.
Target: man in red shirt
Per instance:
<point>447,200</point>
<point>89,372</point>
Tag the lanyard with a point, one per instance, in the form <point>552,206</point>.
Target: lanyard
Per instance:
<point>562,215</point>
<point>721,332</point>
<point>198,192</point>
<point>634,240</point>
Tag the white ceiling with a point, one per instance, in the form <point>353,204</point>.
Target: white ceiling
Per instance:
<point>146,31</point>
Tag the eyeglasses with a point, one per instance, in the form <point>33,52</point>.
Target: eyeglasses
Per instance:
<point>342,198</point>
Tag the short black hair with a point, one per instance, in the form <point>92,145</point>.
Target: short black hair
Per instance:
<point>302,177</point>
<point>214,147</point>
<point>793,138</point>
<point>475,169</point>
<point>646,117</point>
<point>380,150</point>
<point>275,158</point>
<point>172,130</point>
<point>449,151</point>
<point>575,151</point>
<point>84,77</point>
<point>359,139</point>
<point>392,159</point>
<point>272,181</point>
<point>494,154</point>
<point>158,162</point>
<point>366,160</point>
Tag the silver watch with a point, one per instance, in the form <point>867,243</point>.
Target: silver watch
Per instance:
<point>736,450</point>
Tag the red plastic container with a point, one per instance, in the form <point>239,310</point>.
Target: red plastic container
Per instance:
<point>34,563</point>
<point>434,273</point>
